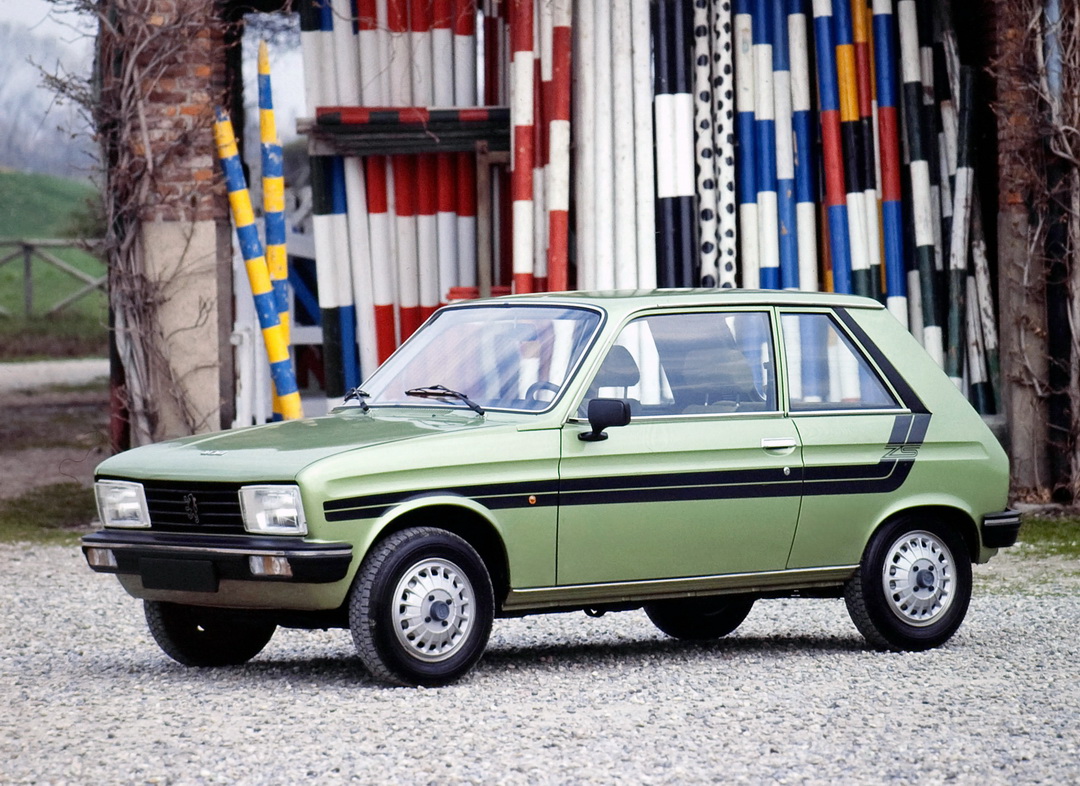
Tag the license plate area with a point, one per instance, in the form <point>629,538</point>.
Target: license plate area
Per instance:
<point>185,575</point>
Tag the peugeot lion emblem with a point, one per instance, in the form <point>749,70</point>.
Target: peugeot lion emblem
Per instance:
<point>191,507</point>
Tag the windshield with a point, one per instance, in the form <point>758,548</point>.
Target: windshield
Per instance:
<point>500,356</point>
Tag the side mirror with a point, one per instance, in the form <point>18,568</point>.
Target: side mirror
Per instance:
<point>605,413</point>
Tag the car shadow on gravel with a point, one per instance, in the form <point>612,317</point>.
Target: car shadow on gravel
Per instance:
<point>588,655</point>
<point>347,671</point>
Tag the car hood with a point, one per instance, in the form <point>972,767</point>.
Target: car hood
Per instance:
<point>278,451</point>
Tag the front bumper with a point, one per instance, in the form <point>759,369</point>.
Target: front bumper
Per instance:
<point>999,530</point>
<point>170,561</point>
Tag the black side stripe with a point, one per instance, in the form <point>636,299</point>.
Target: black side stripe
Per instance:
<point>886,475</point>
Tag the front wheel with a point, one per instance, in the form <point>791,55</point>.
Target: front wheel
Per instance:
<point>202,636</point>
<point>421,608</point>
<point>912,588</point>
<point>700,619</point>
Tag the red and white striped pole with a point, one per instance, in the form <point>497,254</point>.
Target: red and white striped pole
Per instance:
<point>558,190</point>
<point>521,110</point>
<point>542,32</point>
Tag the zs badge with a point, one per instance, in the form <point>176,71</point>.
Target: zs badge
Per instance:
<point>901,452</point>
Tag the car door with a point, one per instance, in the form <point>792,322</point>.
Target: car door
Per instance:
<point>858,436</point>
<point>704,480</point>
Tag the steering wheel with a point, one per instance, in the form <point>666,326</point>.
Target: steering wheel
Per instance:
<point>536,387</point>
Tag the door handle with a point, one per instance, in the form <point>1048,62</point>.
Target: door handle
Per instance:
<point>777,443</point>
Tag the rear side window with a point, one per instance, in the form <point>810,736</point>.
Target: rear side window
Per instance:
<point>826,371</point>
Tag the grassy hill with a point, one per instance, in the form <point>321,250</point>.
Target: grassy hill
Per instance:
<point>40,206</point>
<point>35,207</point>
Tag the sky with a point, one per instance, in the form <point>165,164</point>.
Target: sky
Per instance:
<point>35,14</point>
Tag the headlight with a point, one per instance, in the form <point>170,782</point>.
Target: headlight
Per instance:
<point>121,504</point>
<point>273,510</point>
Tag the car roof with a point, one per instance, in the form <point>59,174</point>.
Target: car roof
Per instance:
<point>632,300</point>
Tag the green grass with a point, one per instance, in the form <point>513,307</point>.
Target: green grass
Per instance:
<point>1057,536</point>
<point>41,207</point>
<point>51,514</point>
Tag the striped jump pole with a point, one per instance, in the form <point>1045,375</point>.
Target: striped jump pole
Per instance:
<point>521,107</point>
<point>888,122</point>
<point>383,282</point>
<point>919,170</point>
<point>805,165</point>
<point>852,145</point>
<point>247,235</point>
<point>984,304</point>
<point>707,202</point>
<point>273,185</point>
<point>542,33</point>
<point>868,148</point>
<point>465,86</point>
<point>931,123</point>
<point>765,145</point>
<point>644,169</point>
<point>745,163</point>
<point>722,42</point>
<point>788,241</point>
<point>839,246</point>
<point>958,257</point>
<point>558,185</point>
<point>273,198</point>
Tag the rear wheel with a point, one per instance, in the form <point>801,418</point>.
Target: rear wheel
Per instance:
<point>201,636</point>
<point>421,608</point>
<point>700,619</point>
<point>913,586</point>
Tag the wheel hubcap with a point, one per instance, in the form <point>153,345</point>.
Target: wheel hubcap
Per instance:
<point>918,578</point>
<point>432,612</point>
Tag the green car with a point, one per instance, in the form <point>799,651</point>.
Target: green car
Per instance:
<point>685,452</point>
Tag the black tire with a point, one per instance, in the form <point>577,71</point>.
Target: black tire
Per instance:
<point>913,586</point>
<point>700,619</point>
<point>201,636</point>
<point>438,638</point>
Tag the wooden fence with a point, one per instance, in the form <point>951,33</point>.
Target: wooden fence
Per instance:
<point>40,251</point>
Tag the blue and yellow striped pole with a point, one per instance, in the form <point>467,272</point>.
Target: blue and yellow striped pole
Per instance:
<point>273,183</point>
<point>247,234</point>
<point>273,193</point>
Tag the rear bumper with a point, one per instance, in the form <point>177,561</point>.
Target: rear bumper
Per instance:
<point>198,563</point>
<point>1000,529</point>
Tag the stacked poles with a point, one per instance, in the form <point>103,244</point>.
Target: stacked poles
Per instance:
<point>273,199</point>
<point>251,248</point>
<point>750,135</point>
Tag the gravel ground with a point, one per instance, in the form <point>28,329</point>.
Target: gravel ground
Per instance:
<point>792,697</point>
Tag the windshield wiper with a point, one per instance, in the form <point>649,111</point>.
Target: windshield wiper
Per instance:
<point>441,391</point>
<point>359,395</point>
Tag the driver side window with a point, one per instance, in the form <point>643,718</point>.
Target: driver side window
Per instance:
<point>690,364</point>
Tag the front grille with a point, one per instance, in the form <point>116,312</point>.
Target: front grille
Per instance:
<point>194,507</point>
